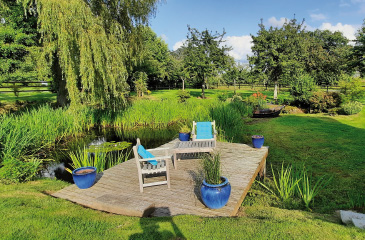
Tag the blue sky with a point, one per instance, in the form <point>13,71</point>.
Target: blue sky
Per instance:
<point>241,18</point>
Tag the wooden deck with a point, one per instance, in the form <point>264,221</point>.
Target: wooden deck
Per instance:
<point>117,189</point>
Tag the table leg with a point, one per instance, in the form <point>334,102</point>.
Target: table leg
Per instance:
<point>174,158</point>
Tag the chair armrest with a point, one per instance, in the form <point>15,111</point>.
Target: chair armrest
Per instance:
<point>154,158</point>
<point>157,149</point>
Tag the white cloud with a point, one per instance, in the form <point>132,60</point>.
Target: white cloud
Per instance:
<point>178,44</point>
<point>277,22</point>
<point>347,30</point>
<point>241,46</point>
<point>317,17</point>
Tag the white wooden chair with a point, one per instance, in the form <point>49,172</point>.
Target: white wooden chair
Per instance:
<point>203,131</point>
<point>149,164</point>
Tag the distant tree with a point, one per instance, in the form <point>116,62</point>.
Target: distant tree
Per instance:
<point>205,57</point>
<point>140,83</point>
<point>92,51</point>
<point>155,59</point>
<point>358,52</point>
<point>18,44</point>
<point>277,52</point>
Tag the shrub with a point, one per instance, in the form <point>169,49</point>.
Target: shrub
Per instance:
<point>236,98</point>
<point>183,95</point>
<point>351,108</point>
<point>322,102</point>
<point>257,100</point>
<point>351,88</point>
<point>223,96</point>
<point>301,89</point>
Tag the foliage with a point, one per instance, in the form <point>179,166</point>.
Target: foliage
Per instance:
<point>211,164</point>
<point>16,171</point>
<point>205,57</point>
<point>351,107</point>
<point>184,129</point>
<point>302,89</point>
<point>140,83</point>
<point>91,52</point>
<point>285,183</point>
<point>351,88</point>
<point>358,51</point>
<point>356,200</point>
<point>257,101</point>
<point>101,158</point>
<point>308,191</point>
<point>323,102</point>
<point>183,95</point>
<point>222,96</point>
<point>18,45</point>
<point>236,98</point>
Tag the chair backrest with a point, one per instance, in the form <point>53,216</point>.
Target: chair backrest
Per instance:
<point>139,150</point>
<point>204,130</point>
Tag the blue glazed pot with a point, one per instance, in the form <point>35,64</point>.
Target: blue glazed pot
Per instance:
<point>184,137</point>
<point>84,180</point>
<point>215,196</point>
<point>257,141</point>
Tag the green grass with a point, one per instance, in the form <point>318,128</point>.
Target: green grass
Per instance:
<point>332,146</point>
<point>30,213</point>
<point>9,98</point>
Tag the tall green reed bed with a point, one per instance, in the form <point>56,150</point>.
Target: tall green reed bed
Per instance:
<point>21,136</point>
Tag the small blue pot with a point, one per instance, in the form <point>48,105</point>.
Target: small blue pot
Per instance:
<point>258,141</point>
<point>215,196</point>
<point>184,137</point>
<point>84,180</point>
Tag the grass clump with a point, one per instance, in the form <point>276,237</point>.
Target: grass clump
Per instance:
<point>211,164</point>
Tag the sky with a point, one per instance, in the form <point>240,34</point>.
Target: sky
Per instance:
<point>240,18</point>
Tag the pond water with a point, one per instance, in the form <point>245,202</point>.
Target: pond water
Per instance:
<point>150,138</point>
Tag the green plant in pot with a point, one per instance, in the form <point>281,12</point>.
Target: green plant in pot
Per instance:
<point>184,133</point>
<point>215,189</point>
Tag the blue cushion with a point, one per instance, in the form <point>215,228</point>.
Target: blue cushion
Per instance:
<point>204,130</point>
<point>146,154</point>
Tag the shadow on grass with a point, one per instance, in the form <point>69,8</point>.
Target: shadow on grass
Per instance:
<point>325,146</point>
<point>151,227</point>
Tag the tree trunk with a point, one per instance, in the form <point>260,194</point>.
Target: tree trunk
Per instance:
<point>276,91</point>
<point>234,84</point>
<point>60,83</point>
<point>183,87</point>
<point>203,93</point>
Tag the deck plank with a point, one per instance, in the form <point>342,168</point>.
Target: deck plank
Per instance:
<point>117,189</point>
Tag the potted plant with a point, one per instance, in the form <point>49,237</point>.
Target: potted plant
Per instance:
<point>84,177</point>
<point>257,141</point>
<point>184,134</point>
<point>215,189</point>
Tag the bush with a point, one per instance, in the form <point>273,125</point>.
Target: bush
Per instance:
<point>301,89</point>
<point>183,95</point>
<point>236,98</point>
<point>257,100</point>
<point>223,96</point>
<point>351,88</point>
<point>322,102</point>
<point>351,108</point>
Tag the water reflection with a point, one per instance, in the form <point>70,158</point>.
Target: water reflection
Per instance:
<point>150,138</point>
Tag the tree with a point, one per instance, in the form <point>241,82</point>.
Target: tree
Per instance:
<point>92,51</point>
<point>155,59</point>
<point>18,44</point>
<point>205,56</point>
<point>278,52</point>
<point>358,52</point>
<point>140,83</point>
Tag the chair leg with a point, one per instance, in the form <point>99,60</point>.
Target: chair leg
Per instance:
<point>140,183</point>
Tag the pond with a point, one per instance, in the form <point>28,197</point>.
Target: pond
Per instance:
<point>150,138</point>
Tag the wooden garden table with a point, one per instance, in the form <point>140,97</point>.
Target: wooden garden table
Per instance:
<point>192,147</point>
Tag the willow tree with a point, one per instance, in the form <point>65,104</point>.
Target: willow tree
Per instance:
<point>90,46</point>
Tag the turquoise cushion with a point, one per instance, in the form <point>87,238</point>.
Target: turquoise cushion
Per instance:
<point>146,154</point>
<point>204,130</point>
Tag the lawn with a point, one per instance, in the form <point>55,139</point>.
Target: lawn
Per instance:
<point>326,145</point>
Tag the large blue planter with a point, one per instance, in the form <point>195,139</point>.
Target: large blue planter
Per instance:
<point>184,136</point>
<point>257,141</point>
<point>215,196</point>
<point>84,180</point>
